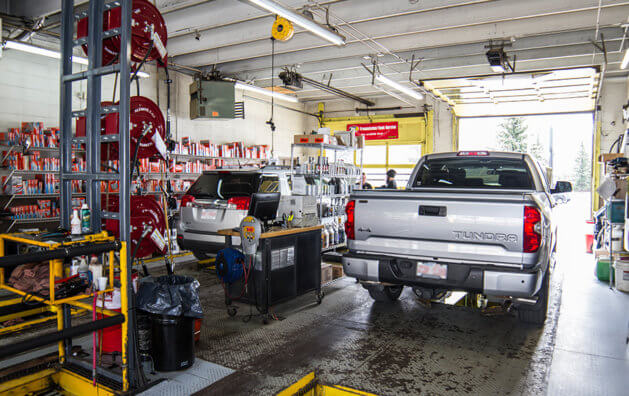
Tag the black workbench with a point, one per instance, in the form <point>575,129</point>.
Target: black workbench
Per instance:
<point>287,265</point>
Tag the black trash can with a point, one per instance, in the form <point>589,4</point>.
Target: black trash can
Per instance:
<point>172,342</point>
<point>173,304</point>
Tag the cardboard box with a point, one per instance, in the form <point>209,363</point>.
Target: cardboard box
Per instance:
<point>345,138</point>
<point>318,139</point>
<point>297,139</point>
<point>326,273</point>
<point>360,141</point>
<point>337,271</point>
<point>605,157</point>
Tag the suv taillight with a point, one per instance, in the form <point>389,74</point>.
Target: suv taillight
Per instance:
<point>187,200</point>
<point>532,229</point>
<point>349,223</point>
<point>241,203</point>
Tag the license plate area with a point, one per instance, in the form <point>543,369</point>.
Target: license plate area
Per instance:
<point>209,214</point>
<point>429,269</point>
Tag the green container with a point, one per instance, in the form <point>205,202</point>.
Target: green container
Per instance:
<point>602,270</point>
<point>616,211</point>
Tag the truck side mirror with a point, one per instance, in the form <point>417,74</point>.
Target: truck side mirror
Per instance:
<point>562,187</point>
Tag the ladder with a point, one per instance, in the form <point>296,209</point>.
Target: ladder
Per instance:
<point>93,176</point>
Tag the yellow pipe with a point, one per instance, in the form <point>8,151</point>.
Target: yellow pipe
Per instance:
<point>24,325</point>
<point>430,133</point>
<point>23,314</point>
<point>88,307</point>
<point>1,255</point>
<point>60,344</point>
<point>455,132</point>
<point>28,384</point>
<point>596,168</point>
<point>12,301</point>
<point>125,311</point>
<point>111,269</point>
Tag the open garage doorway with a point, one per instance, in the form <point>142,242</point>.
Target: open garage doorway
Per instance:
<point>562,143</point>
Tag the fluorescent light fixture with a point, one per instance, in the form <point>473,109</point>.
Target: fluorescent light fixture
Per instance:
<point>625,59</point>
<point>395,85</point>
<point>300,20</point>
<point>266,92</point>
<point>31,49</point>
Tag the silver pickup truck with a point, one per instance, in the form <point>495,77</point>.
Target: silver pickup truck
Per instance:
<point>472,221</point>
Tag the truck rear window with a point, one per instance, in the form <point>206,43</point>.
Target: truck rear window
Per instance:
<point>489,173</point>
<point>227,185</point>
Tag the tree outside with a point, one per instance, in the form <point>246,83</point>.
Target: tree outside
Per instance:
<point>512,136</point>
<point>582,170</point>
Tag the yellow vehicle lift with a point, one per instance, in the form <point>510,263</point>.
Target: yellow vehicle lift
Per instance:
<point>63,374</point>
<point>310,385</point>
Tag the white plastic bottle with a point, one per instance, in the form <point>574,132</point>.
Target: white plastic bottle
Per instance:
<point>75,223</point>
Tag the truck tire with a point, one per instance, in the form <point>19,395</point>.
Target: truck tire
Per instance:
<point>536,314</point>
<point>385,293</point>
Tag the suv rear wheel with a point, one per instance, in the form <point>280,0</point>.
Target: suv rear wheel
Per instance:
<point>536,313</point>
<point>385,293</point>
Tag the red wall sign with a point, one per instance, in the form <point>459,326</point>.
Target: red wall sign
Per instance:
<point>376,130</point>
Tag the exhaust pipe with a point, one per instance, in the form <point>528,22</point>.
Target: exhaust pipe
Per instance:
<point>525,301</point>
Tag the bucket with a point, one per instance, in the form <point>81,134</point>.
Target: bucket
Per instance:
<point>589,242</point>
<point>172,342</point>
<point>602,269</point>
<point>110,337</point>
<point>622,275</point>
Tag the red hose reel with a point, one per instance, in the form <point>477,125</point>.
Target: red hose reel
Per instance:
<point>147,217</point>
<point>143,113</point>
<point>146,18</point>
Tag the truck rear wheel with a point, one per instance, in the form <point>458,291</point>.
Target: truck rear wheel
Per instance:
<point>385,293</point>
<point>536,314</point>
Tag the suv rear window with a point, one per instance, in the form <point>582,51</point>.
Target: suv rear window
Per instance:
<point>478,172</point>
<point>228,185</point>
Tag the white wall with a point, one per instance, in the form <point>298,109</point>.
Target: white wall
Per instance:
<point>29,91</point>
<point>613,96</point>
<point>346,108</point>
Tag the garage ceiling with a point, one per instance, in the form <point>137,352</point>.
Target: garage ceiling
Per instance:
<point>449,37</point>
<point>565,90</point>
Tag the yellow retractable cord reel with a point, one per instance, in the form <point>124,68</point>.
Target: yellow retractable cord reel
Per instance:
<point>282,29</point>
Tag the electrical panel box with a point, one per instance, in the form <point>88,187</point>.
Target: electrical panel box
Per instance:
<point>213,99</point>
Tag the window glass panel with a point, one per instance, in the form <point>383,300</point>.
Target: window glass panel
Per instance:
<point>404,154</point>
<point>375,155</point>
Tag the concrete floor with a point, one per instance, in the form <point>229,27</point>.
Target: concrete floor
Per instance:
<point>408,348</point>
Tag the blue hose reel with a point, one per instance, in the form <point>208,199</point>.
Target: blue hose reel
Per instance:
<point>229,265</point>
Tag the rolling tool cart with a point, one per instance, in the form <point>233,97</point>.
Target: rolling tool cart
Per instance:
<point>280,266</point>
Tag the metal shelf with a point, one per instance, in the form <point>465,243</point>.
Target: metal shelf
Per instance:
<point>28,172</point>
<point>30,196</point>
<point>327,175</point>
<point>158,175</point>
<point>326,146</point>
<point>205,157</point>
<point>333,247</point>
<point>35,220</point>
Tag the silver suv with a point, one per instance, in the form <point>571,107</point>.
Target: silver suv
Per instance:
<point>219,199</point>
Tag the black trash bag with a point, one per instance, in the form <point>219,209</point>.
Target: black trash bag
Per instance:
<point>172,295</point>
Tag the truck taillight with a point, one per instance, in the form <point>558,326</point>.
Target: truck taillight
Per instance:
<point>241,203</point>
<point>532,229</point>
<point>187,200</point>
<point>349,224</point>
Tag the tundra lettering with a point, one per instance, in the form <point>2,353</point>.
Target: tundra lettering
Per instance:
<point>484,236</point>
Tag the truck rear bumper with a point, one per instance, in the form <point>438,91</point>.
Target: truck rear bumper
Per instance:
<point>491,281</point>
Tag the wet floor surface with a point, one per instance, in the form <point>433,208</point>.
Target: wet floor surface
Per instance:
<point>384,348</point>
